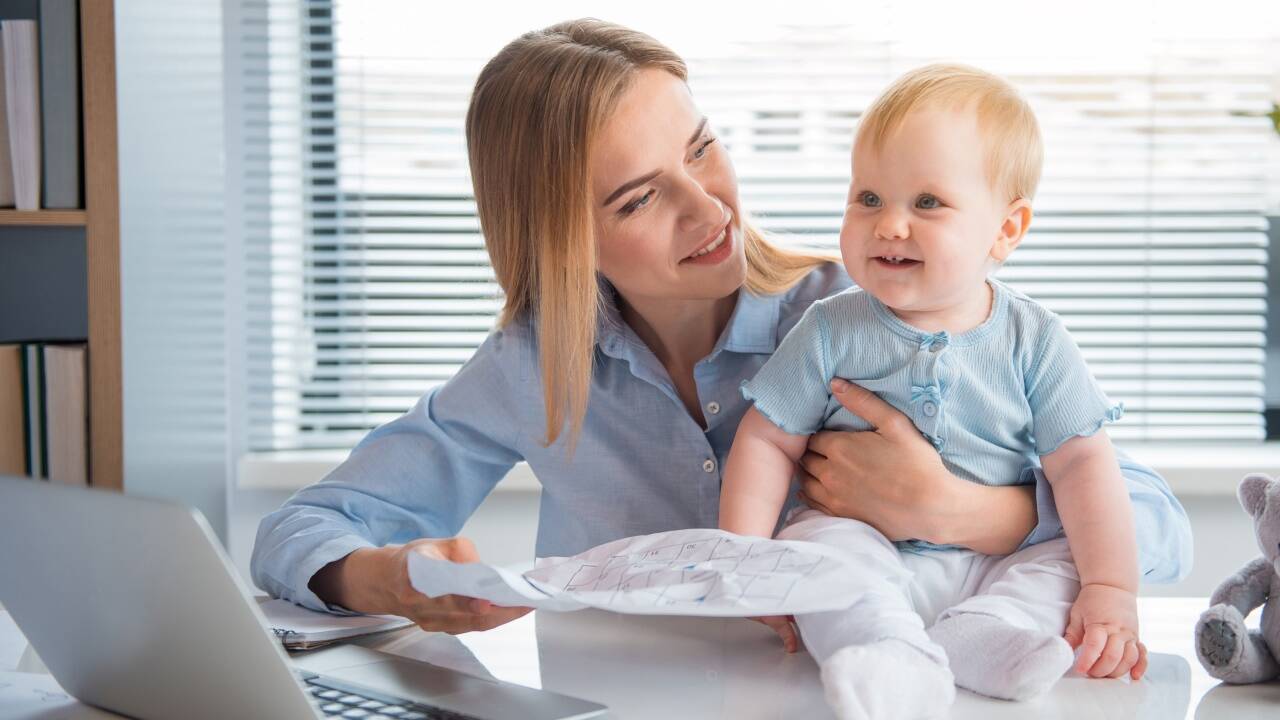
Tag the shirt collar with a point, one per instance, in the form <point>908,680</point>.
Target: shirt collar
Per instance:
<point>753,326</point>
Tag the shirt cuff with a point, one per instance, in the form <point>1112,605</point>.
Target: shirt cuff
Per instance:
<point>334,549</point>
<point>1048,524</point>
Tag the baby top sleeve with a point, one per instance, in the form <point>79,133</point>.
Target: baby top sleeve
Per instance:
<point>1064,397</point>
<point>791,390</point>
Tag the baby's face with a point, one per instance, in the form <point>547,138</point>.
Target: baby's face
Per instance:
<point>922,219</point>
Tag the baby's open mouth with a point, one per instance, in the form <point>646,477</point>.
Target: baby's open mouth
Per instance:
<point>895,261</point>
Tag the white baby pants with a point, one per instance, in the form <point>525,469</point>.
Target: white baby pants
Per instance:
<point>905,592</point>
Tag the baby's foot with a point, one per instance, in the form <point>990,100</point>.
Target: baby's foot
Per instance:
<point>886,679</point>
<point>991,657</point>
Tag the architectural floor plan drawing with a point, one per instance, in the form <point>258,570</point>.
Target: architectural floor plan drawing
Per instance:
<point>682,572</point>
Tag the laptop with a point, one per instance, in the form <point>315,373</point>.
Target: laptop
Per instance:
<point>134,608</point>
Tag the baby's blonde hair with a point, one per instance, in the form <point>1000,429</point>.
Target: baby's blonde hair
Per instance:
<point>1015,152</point>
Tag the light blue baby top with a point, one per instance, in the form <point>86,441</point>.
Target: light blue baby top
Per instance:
<point>992,399</point>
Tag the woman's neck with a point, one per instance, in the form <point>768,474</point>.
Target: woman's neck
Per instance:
<point>680,332</point>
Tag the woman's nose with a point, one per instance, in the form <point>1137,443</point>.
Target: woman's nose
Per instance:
<point>701,208</point>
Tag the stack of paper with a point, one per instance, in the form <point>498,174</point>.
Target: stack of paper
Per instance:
<point>301,629</point>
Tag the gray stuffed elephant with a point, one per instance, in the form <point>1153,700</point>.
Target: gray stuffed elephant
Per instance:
<point>1228,650</point>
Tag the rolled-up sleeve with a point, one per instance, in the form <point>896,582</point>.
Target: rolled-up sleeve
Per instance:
<point>420,475</point>
<point>1162,527</point>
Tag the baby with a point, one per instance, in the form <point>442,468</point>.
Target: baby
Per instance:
<point>945,164</point>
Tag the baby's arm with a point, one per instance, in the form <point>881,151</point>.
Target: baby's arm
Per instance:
<point>1094,506</point>
<point>757,475</point>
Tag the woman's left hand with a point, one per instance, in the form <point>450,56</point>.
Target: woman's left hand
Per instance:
<point>892,479</point>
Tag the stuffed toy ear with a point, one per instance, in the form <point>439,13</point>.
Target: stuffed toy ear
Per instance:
<point>1253,493</point>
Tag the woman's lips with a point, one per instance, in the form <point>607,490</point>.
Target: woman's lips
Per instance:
<point>721,252</point>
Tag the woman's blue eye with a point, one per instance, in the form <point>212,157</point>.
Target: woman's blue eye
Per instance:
<point>636,204</point>
<point>702,149</point>
<point>928,202</point>
<point>869,199</point>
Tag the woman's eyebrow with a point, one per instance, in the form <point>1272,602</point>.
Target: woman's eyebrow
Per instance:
<point>629,185</point>
<point>632,184</point>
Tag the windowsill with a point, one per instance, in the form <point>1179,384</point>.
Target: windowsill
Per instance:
<point>293,470</point>
<point>1190,469</point>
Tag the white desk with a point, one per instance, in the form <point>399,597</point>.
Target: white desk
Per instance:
<point>652,667</point>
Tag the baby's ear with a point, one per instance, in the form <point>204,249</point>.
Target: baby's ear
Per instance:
<point>1253,494</point>
<point>1016,221</point>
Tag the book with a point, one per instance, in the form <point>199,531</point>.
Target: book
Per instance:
<point>6,162</point>
<point>13,432</point>
<point>21,48</point>
<point>301,629</point>
<point>66,414</point>
<point>33,408</point>
<point>60,103</point>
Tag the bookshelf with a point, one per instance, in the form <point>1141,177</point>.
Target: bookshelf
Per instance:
<point>100,220</point>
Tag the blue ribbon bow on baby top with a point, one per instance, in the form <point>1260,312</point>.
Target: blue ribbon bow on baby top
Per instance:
<point>941,338</point>
<point>926,392</point>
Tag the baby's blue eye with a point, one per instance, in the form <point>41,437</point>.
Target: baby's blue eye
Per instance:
<point>868,198</point>
<point>928,202</point>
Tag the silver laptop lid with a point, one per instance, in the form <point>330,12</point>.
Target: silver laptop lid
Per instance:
<point>133,606</point>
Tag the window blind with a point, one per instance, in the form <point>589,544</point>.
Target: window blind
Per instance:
<point>366,281</point>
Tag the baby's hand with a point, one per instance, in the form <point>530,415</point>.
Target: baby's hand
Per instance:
<point>1104,626</point>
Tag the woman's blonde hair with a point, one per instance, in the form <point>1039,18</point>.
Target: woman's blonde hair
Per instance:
<point>537,107</point>
<point>1015,152</point>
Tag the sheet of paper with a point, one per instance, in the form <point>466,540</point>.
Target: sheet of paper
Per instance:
<point>478,580</point>
<point>683,572</point>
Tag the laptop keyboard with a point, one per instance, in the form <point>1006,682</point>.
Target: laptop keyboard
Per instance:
<point>344,700</point>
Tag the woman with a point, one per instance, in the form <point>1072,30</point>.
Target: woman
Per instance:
<point>638,298</point>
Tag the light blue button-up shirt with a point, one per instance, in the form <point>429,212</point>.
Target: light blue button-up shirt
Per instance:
<point>642,464</point>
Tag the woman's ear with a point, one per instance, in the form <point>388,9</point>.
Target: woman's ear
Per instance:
<point>1016,221</point>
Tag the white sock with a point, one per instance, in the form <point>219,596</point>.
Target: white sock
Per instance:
<point>991,657</point>
<point>887,679</point>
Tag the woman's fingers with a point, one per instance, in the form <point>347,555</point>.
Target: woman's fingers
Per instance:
<point>813,462</point>
<point>867,405</point>
<point>817,493</point>
<point>458,614</point>
<point>784,625</point>
<point>804,498</point>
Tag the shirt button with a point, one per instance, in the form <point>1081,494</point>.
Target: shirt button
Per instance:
<point>929,408</point>
<point>709,465</point>
<point>713,407</point>
<point>937,346</point>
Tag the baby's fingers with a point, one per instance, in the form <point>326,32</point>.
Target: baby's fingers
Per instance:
<point>1110,657</point>
<point>1095,641</point>
<point>1074,634</point>
<point>1128,662</point>
<point>1141,668</point>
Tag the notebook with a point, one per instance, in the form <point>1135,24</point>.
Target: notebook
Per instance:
<point>301,629</point>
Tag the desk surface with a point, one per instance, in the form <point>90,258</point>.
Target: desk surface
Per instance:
<point>643,667</point>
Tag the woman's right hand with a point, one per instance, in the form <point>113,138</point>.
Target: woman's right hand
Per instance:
<point>376,581</point>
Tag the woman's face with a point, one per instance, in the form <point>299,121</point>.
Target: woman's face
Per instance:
<point>665,198</point>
